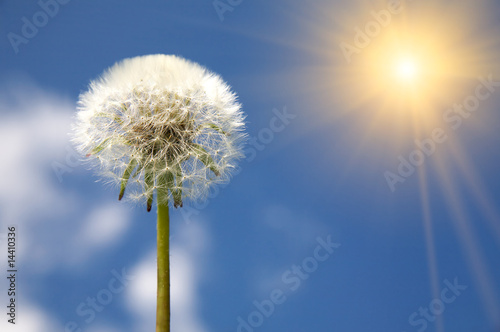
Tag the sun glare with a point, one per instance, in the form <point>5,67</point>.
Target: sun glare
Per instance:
<point>406,70</point>
<point>406,66</point>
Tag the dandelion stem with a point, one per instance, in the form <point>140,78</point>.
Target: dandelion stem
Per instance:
<point>163,292</point>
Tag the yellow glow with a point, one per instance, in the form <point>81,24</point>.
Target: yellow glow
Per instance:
<point>406,69</point>
<point>401,71</point>
<point>410,72</point>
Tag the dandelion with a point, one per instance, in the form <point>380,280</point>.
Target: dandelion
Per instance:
<point>160,127</point>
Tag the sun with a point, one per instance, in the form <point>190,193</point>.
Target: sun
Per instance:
<point>397,72</point>
<point>406,70</point>
<point>402,69</point>
<point>406,75</point>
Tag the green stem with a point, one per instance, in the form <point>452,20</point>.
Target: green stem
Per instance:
<point>163,292</point>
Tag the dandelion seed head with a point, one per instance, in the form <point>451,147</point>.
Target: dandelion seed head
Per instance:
<point>160,124</point>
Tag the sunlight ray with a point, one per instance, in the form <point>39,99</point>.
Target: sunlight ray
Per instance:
<point>470,245</point>
<point>430,243</point>
<point>487,207</point>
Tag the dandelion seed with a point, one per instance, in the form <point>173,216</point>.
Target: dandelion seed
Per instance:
<point>157,112</point>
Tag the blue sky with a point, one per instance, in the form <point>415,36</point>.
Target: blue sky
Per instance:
<point>321,179</point>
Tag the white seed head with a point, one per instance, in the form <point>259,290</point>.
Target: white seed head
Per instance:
<point>160,124</point>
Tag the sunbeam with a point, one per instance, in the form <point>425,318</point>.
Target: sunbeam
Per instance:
<point>429,242</point>
<point>477,190</point>
<point>470,245</point>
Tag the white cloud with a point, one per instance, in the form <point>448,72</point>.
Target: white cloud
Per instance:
<point>32,135</point>
<point>102,227</point>
<point>102,329</point>
<point>188,255</point>
<point>141,293</point>
<point>52,229</point>
<point>30,319</point>
<point>104,224</point>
